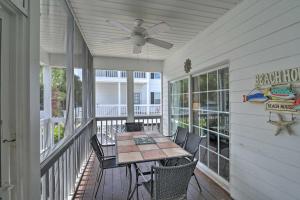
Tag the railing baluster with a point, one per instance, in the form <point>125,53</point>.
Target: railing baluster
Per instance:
<point>52,183</point>
<point>101,133</point>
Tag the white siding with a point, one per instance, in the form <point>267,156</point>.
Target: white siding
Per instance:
<point>255,37</point>
<point>106,93</point>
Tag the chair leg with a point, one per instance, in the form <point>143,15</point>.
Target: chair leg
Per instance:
<point>97,179</point>
<point>99,182</point>
<point>197,182</point>
<point>137,182</point>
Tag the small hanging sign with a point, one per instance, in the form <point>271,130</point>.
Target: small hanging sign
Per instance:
<point>281,106</point>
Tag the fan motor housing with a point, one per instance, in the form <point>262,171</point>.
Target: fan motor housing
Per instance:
<point>138,40</point>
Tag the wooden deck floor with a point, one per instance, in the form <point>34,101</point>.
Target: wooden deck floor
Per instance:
<point>114,185</point>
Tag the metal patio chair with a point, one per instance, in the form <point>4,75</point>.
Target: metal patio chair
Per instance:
<point>170,183</point>
<point>134,126</point>
<point>191,146</point>
<point>180,136</point>
<point>105,162</point>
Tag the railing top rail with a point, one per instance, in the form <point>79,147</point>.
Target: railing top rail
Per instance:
<point>125,117</point>
<point>52,158</point>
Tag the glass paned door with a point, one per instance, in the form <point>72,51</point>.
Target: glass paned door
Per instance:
<point>210,110</point>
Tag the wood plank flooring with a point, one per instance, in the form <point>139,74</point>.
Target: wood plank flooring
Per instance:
<point>114,184</point>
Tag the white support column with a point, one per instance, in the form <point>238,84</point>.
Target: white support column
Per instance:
<point>148,92</point>
<point>130,97</point>
<point>47,90</point>
<point>31,166</point>
<point>119,98</point>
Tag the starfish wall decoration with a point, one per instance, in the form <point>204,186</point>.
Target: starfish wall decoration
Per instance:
<point>282,125</point>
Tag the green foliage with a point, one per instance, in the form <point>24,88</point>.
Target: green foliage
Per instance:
<point>59,131</point>
<point>59,93</point>
<point>41,88</point>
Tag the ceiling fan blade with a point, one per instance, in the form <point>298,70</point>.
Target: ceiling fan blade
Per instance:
<point>159,43</point>
<point>137,49</point>
<point>119,25</point>
<point>158,28</point>
<point>114,40</point>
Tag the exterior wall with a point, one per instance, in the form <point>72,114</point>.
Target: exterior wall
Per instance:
<point>155,85</point>
<point>123,93</point>
<point>117,63</point>
<point>111,93</point>
<point>255,37</point>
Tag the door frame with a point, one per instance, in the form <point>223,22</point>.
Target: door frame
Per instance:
<point>25,82</point>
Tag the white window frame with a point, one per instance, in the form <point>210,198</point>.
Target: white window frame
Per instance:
<point>219,179</point>
<point>215,176</point>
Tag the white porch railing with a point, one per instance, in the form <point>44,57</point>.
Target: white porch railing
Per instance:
<point>112,110</point>
<point>115,74</point>
<point>109,127</point>
<point>60,172</point>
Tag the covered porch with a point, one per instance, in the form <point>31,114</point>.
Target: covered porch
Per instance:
<point>224,71</point>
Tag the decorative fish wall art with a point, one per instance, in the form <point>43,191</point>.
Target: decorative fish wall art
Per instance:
<point>281,92</point>
<point>255,96</point>
<point>278,92</point>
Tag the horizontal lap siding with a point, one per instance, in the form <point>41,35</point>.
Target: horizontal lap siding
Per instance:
<point>255,37</point>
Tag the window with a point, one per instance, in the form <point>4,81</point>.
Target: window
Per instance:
<point>137,98</point>
<point>179,104</point>
<point>155,97</point>
<point>155,75</point>
<point>210,108</point>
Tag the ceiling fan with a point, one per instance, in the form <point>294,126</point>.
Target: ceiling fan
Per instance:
<point>139,35</point>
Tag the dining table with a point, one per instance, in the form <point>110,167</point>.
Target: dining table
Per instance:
<point>144,146</point>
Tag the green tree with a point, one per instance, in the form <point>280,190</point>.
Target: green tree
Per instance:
<point>59,93</point>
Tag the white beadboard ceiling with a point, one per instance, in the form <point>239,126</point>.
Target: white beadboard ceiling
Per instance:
<point>186,17</point>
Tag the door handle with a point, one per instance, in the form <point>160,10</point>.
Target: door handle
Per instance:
<point>7,141</point>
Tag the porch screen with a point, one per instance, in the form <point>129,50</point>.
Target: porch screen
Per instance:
<point>210,106</point>
<point>179,104</point>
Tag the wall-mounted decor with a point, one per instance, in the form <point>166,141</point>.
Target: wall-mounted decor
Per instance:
<point>277,91</point>
<point>187,65</point>
<point>283,124</point>
<point>278,77</point>
<point>255,96</point>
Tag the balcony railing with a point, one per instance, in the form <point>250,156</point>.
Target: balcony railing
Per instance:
<point>118,74</point>
<point>109,127</point>
<point>111,110</point>
<point>61,171</point>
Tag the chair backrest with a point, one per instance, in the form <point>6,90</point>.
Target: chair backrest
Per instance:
<point>134,126</point>
<point>97,148</point>
<point>172,182</point>
<point>192,143</point>
<point>181,135</point>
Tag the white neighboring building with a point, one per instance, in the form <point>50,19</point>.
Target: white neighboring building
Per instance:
<point>111,95</point>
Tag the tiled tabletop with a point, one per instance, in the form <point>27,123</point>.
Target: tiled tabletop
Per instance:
<point>128,152</point>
